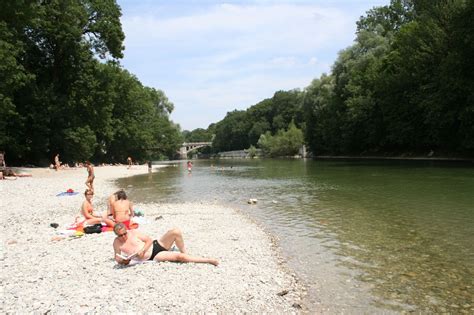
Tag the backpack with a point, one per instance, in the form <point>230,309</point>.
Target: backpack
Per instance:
<point>96,228</point>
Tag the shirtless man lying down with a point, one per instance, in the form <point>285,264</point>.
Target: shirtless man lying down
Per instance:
<point>130,242</point>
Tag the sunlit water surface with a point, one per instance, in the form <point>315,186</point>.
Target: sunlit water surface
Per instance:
<point>365,237</point>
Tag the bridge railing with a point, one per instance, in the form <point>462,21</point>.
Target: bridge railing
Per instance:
<point>187,144</point>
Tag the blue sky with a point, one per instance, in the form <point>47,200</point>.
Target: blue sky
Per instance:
<point>211,57</point>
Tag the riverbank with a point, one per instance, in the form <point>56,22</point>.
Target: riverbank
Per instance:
<point>393,158</point>
<point>79,275</point>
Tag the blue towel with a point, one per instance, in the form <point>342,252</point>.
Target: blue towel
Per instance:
<point>65,193</point>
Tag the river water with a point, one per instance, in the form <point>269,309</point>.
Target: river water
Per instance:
<point>365,237</point>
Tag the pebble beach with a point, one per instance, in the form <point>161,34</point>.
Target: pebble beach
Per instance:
<point>44,273</point>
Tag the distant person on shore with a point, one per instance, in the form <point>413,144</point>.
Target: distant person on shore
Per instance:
<point>129,161</point>
<point>90,176</point>
<point>149,166</point>
<point>87,211</point>
<point>8,173</point>
<point>57,163</point>
<point>190,166</point>
<point>133,241</point>
<point>122,209</point>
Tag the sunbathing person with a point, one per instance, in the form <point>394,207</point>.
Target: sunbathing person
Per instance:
<point>133,241</point>
<point>87,210</point>
<point>122,209</point>
<point>110,201</point>
<point>11,174</point>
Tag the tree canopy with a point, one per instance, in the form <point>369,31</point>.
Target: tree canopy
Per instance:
<point>241,129</point>
<point>62,89</point>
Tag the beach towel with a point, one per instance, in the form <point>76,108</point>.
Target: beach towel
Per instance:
<point>78,225</point>
<point>65,193</point>
<point>129,225</point>
<point>71,233</point>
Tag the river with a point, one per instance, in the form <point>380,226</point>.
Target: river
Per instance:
<point>364,236</point>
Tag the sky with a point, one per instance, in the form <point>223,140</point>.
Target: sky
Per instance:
<point>212,57</point>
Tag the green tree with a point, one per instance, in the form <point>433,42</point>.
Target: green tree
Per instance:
<point>239,130</point>
<point>284,143</point>
<point>387,20</point>
<point>321,116</point>
<point>252,151</point>
<point>198,135</point>
<point>231,132</point>
<point>54,43</point>
<point>422,94</point>
<point>286,107</point>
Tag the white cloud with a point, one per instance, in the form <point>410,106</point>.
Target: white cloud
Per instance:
<point>313,61</point>
<point>210,59</point>
<point>294,27</point>
<point>288,62</point>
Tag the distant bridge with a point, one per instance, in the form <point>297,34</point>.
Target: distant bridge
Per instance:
<point>191,146</point>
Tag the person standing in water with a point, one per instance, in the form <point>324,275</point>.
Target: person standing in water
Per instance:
<point>149,166</point>
<point>190,166</point>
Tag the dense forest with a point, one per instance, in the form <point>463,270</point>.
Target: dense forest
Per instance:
<point>405,87</point>
<point>63,90</point>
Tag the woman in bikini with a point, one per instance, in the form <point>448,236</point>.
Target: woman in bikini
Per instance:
<point>87,210</point>
<point>122,209</point>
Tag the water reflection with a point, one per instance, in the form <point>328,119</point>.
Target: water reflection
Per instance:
<point>365,236</point>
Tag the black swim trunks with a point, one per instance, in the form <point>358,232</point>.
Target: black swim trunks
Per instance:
<point>156,249</point>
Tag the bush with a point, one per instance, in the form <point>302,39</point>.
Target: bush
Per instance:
<point>284,143</point>
<point>252,151</point>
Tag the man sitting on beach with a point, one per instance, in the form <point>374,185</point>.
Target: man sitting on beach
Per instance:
<point>134,242</point>
<point>122,209</point>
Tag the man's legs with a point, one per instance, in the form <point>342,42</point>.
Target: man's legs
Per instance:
<point>182,257</point>
<point>173,236</point>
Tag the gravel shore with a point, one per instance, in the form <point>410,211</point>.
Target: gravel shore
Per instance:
<point>79,275</point>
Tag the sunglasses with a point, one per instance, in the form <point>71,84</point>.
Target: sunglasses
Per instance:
<point>120,235</point>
